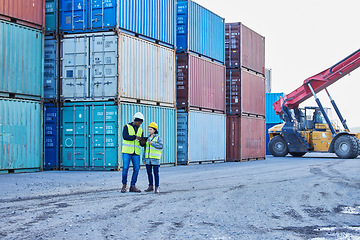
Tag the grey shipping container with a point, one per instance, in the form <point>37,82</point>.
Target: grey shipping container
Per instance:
<point>268,80</point>
<point>107,66</point>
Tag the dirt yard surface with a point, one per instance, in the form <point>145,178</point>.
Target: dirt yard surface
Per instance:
<point>278,198</point>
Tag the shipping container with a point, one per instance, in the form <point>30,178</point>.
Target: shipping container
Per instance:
<point>200,137</point>
<point>245,138</point>
<point>51,136</point>
<point>268,80</point>
<point>92,133</point>
<point>20,136</point>
<point>21,66</point>
<point>51,69</point>
<point>165,118</point>
<point>244,48</point>
<point>105,66</point>
<point>268,126</point>
<point>153,20</point>
<point>200,83</point>
<point>30,13</point>
<point>271,116</point>
<point>245,92</point>
<point>51,16</point>
<point>200,31</point>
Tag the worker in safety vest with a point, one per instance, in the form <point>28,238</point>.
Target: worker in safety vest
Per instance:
<point>131,147</point>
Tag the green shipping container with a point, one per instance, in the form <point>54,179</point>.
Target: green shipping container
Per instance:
<point>91,133</point>
<point>21,61</point>
<point>51,16</point>
<point>20,136</point>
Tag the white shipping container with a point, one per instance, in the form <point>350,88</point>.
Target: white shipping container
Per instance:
<point>105,66</point>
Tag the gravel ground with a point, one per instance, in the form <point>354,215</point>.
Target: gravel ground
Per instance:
<point>279,198</point>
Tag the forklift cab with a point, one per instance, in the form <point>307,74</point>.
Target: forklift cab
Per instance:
<point>310,118</point>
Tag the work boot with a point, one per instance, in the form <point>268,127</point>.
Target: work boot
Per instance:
<point>123,190</point>
<point>156,189</point>
<point>134,189</point>
<point>149,189</point>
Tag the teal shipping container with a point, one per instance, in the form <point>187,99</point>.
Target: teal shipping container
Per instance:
<point>91,134</point>
<point>51,16</point>
<point>21,61</point>
<point>271,116</point>
<point>20,136</point>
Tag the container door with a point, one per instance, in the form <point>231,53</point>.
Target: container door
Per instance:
<point>73,15</point>
<point>103,55</point>
<point>51,159</point>
<point>51,11</point>
<point>182,26</point>
<point>75,137</point>
<point>50,69</point>
<point>75,63</point>
<point>102,14</point>
<point>182,138</point>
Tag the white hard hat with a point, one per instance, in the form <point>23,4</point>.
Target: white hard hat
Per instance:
<point>139,115</point>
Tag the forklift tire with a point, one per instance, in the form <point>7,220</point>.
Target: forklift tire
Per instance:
<point>346,147</point>
<point>277,146</point>
<point>297,154</point>
<point>358,142</point>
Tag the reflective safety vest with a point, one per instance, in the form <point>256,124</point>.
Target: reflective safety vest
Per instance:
<point>131,147</point>
<point>151,152</point>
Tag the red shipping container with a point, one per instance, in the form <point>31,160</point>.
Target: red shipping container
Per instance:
<point>245,92</point>
<point>30,13</point>
<point>245,138</point>
<point>244,48</point>
<point>200,83</point>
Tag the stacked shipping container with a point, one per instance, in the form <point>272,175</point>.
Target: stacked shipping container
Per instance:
<point>245,93</point>
<point>200,84</point>
<point>21,69</point>
<point>116,59</point>
<point>272,118</point>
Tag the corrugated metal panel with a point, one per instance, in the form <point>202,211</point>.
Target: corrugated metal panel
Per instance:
<point>245,92</point>
<point>245,138</point>
<point>21,52</point>
<point>51,15</point>
<point>51,68</point>
<point>200,83</point>
<point>151,19</point>
<point>163,116</point>
<point>244,48</point>
<point>268,126</point>
<point>92,68</point>
<point>146,71</point>
<point>271,116</point>
<point>268,80</point>
<point>196,133</point>
<point>20,135</point>
<point>51,136</point>
<point>25,12</point>
<point>89,136</point>
<point>200,30</point>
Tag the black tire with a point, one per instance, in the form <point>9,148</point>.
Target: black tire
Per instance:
<point>358,142</point>
<point>297,154</point>
<point>277,146</point>
<point>346,146</point>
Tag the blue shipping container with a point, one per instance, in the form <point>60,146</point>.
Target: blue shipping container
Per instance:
<point>51,69</point>
<point>51,136</point>
<point>271,116</point>
<point>200,31</point>
<point>150,19</point>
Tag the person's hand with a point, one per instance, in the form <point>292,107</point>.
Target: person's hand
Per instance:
<point>150,142</point>
<point>138,138</point>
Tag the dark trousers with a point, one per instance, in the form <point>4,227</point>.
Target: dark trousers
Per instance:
<point>149,169</point>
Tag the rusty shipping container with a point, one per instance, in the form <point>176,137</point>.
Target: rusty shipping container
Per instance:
<point>200,83</point>
<point>245,138</point>
<point>30,13</point>
<point>244,48</point>
<point>245,92</point>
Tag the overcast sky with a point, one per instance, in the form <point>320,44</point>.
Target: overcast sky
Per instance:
<point>303,38</point>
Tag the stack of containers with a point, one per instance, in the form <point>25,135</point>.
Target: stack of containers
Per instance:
<point>51,86</point>
<point>200,84</point>
<point>21,69</point>
<point>272,118</point>
<point>245,93</point>
<point>117,58</point>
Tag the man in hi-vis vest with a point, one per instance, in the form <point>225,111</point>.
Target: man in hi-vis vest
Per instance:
<point>131,147</point>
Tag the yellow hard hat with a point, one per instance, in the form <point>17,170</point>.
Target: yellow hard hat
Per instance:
<point>153,125</point>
